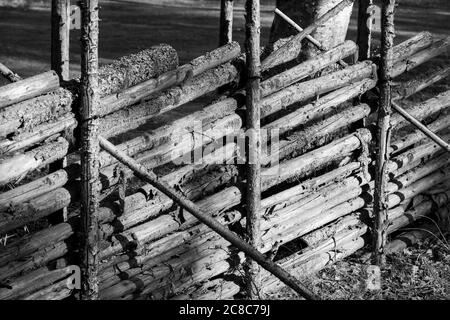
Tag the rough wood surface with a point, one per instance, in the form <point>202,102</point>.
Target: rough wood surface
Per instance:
<point>33,209</point>
<point>294,44</point>
<point>30,243</point>
<point>28,88</point>
<point>15,167</point>
<point>307,68</point>
<point>226,22</point>
<point>136,68</point>
<point>302,165</point>
<point>134,116</point>
<point>437,48</point>
<point>65,125</point>
<point>113,78</point>
<point>26,115</point>
<point>407,48</point>
<point>60,38</point>
<point>140,91</point>
<point>33,282</point>
<point>312,88</point>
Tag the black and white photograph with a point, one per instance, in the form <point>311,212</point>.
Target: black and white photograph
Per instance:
<point>225,159</point>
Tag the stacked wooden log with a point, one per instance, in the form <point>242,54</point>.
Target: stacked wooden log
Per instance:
<point>315,170</point>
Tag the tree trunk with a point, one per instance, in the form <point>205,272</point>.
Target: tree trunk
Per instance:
<point>330,34</point>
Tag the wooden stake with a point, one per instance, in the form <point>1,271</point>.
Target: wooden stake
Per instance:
<point>181,200</point>
<point>365,20</point>
<point>90,187</point>
<point>60,38</point>
<point>253,186</point>
<point>383,134</point>
<point>226,22</point>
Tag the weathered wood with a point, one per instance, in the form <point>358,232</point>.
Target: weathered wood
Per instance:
<point>383,131</point>
<point>33,209</point>
<point>364,36</point>
<point>160,275</point>
<point>175,130</point>
<point>136,68</point>
<point>312,88</point>
<point>33,281</point>
<point>316,135</point>
<point>302,224</point>
<point>307,68</point>
<point>140,91</point>
<point>9,74</point>
<point>113,77</point>
<point>209,221</point>
<point>294,44</point>
<point>253,143</point>
<point>409,47</point>
<point>147,202</point>
<point>30,243</point>
<point>303,264</point>
<point>132,117</point>
<point>165,224</point>
<point>313,41</point>
<point>405,179</point>
<point>427,132</point>
<point>417,187</point>
<point>38,187</point>
<point>218,289</point>
<point>422,110</point>
<point>24,116</point>
<point>174,258</point>
<point>64,124</point>
<point>436,72</point>
<point>414,154</point>
<point>28,88</point>
<point>60,38</point>
<point>437,48</point>
<point>320,107</point>
<point>226,22</point>
<point>15,167</point>
<point>57,291</point>
<point>34,261</point>
<point>302,165</point>
<point>314,204</point>
<point>309,185</point>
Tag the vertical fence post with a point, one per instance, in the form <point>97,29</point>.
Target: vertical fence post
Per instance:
<point>226,22</point>
<point>253,192</point>
<point>60,44</point>
<point>383,130</point>
<point>364,38</point>
<point>89,148</point>
<point>60,38</point>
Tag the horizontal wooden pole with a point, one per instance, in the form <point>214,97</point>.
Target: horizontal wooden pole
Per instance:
<point>28,88</point>
<point>140,91</point>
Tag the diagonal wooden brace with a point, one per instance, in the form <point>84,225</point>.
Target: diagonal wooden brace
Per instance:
<point>430,134</point>
<point>182,201</point>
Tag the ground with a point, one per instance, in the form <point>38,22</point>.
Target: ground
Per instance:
<point>422,272</point>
